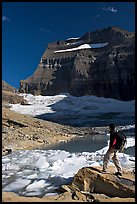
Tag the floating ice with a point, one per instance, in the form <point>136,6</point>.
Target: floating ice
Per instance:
<point>43,171</point>
<point>130,142</point>
<point>32,176</point>
<point>42,163</point>
<point>36,185</point>
<point>16,185</point>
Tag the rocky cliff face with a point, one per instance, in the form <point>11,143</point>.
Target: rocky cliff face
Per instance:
<point>99,63</point>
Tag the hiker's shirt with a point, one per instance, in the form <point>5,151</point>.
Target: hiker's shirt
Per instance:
<point>113,135</point>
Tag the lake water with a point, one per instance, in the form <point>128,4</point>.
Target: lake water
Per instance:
<point>91,143</point>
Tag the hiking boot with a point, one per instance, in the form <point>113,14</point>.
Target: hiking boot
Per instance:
<point>118,174</point>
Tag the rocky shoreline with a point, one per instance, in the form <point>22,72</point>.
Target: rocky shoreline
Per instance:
<point>21,131</point>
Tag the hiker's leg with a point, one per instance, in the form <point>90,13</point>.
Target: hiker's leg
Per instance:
<point>107,158</point>
<point>116,161</point>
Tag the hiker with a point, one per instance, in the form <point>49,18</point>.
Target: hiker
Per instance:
<point>112,151</point>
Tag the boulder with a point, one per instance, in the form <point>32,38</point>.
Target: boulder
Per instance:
<point>6,151</point>
<point>25,102</point>
<point>94,185</point>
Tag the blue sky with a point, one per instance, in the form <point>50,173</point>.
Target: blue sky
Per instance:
<point>28,27</point>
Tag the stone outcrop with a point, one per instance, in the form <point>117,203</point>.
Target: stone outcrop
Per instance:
<point>90,184</point>
<point>10,95</point>
<point>7,87</point>
<point>106,68</point>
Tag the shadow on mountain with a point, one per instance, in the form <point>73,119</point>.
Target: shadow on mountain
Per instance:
<point>64,117</point>
<point>67,112</point>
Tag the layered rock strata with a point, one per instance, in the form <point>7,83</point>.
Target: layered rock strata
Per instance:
<point>100,63</point>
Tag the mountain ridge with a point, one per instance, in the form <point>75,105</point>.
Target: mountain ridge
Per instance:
<point>8,87</point>
<point>83,66</point>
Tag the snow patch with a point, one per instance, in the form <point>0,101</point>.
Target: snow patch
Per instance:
<point>84,46</point>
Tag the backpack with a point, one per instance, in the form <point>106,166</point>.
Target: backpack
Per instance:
<point>121,140</point>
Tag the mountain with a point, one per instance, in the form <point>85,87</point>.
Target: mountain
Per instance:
<point>7,87</point>
<point>10,95</point>
<point>100,63</point>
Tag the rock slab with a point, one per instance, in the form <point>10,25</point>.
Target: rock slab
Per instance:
<point>91,181</point>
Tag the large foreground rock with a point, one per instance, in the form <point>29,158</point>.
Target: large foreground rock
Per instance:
<point>90,182</point>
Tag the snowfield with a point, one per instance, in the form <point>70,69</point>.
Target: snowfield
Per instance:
<point>68,109</point>
<point>66,102</point>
